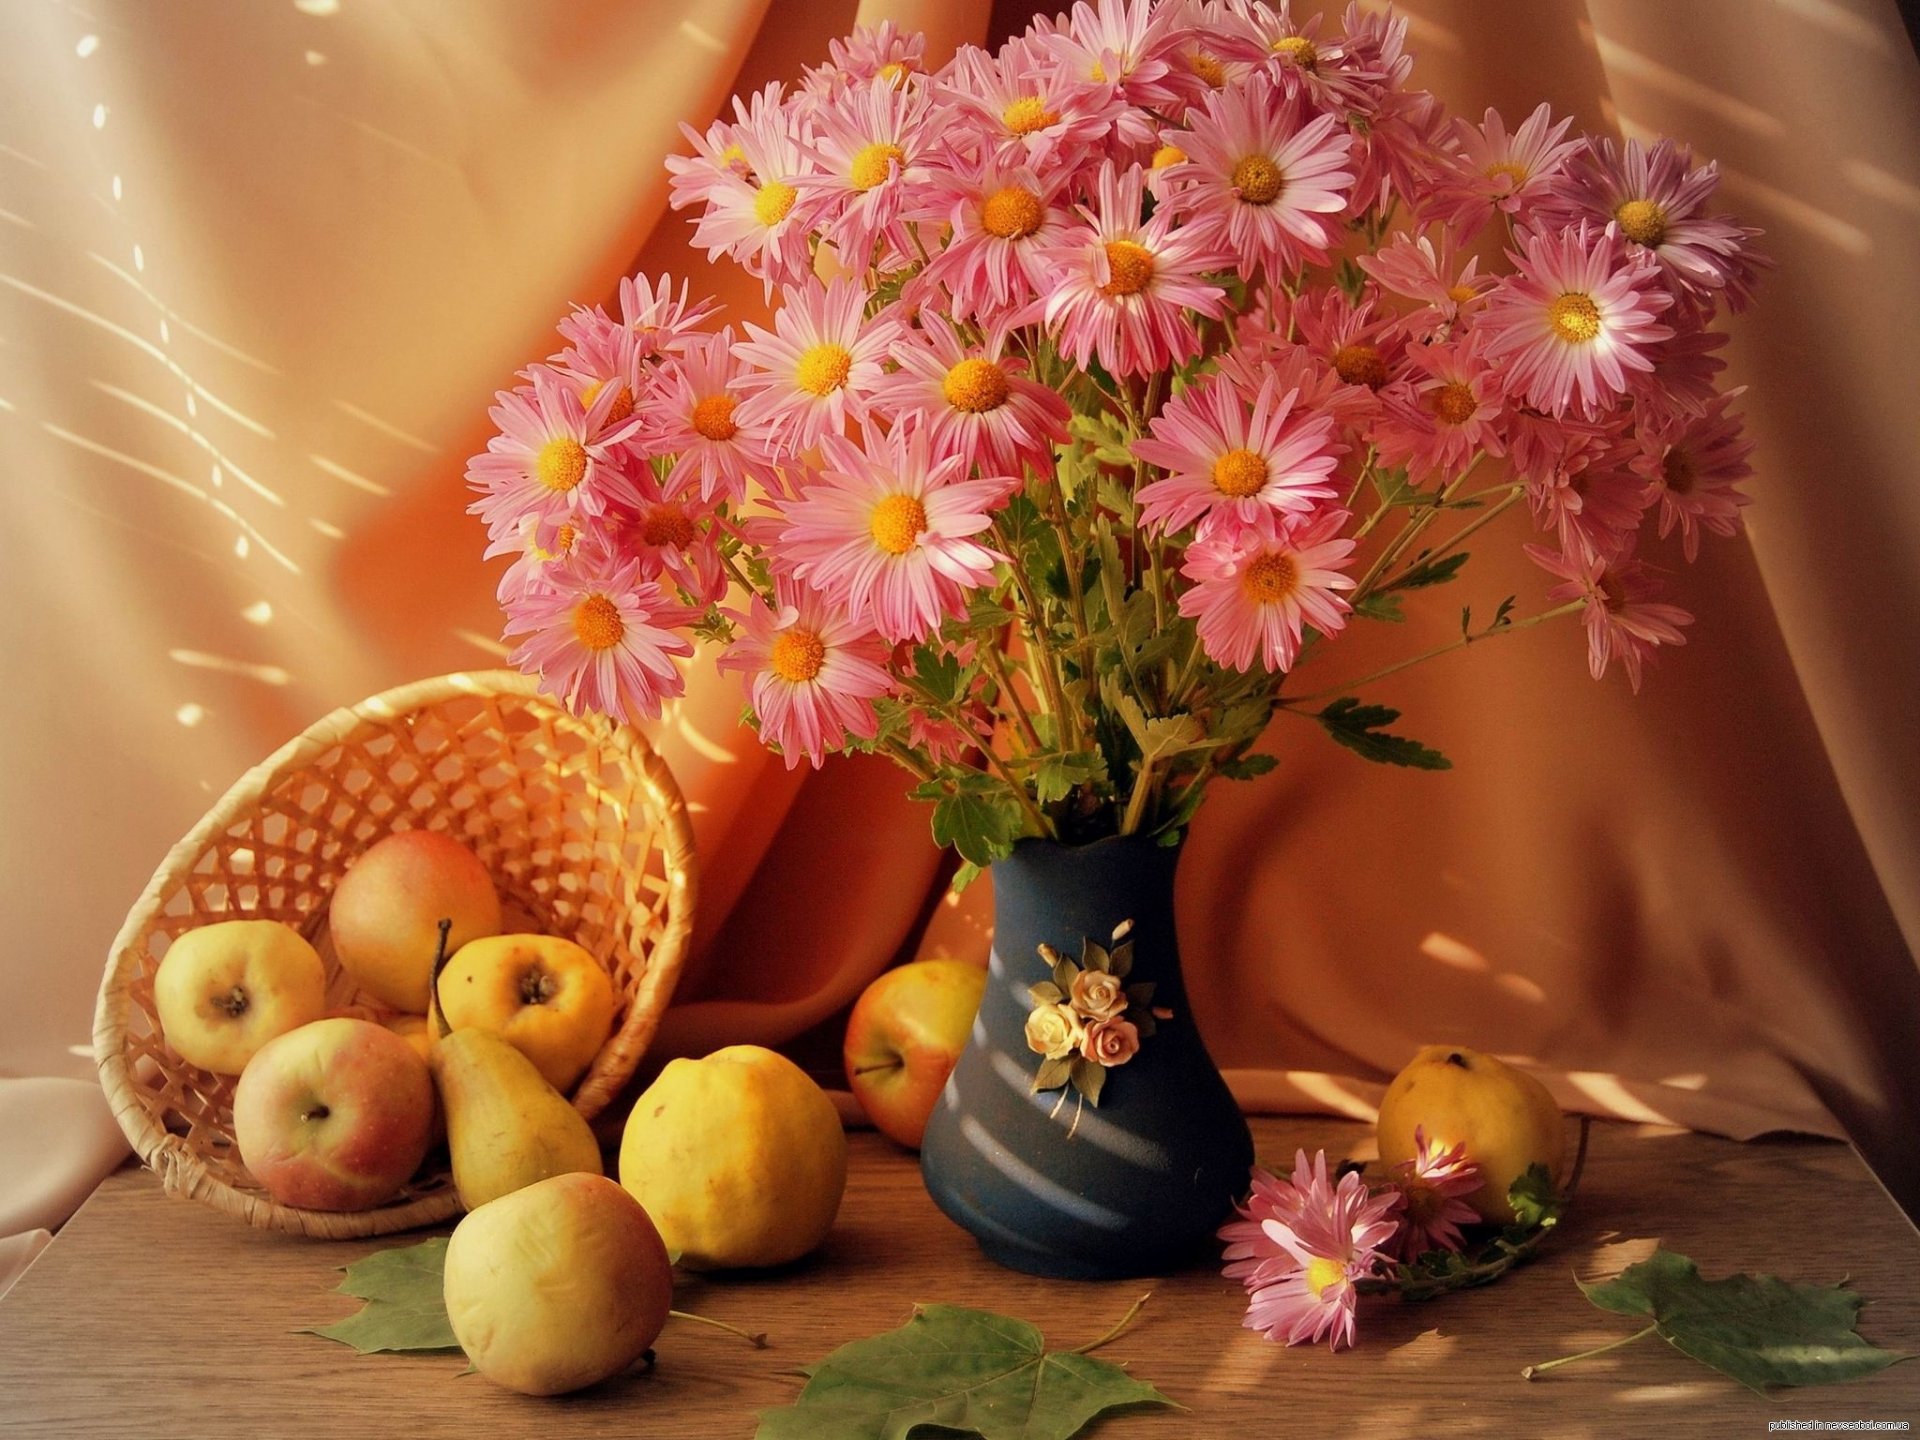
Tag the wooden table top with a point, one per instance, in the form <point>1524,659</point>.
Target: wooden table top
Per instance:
<point>158,1317</point>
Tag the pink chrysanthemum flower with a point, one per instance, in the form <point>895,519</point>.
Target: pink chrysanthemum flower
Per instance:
<point>812,674</point>
<point>601,351</point>
<point>1365,350</point>
<point>818,369</point>
<point>1592,501</point>
<point>692,418</point>
<point>552,460</point>
<point>1430,1186</point>
<point>1317,66</point>
<point>1492,170</point>
<point>1576,318</point>
<point>752,211</point>
<point>1254,1257</point>
<point>1026,108</point>
<point>1003,221</point>
<point>974,401</point>
<point>871,147</point>
<point>1693,471</point>
<point>1257,586</point>
<point>536,547</point>
<point>1124,45</point>
<point>1336,1235</point>
<point>1123,288</point>
<point>1444,412</point>
<point>1264,180</point>
<point>886,534</point>
<point>1435,275</point>
<point>1623,619</point>
<point>661,322</point>
<point>602,641</point>
<point>1658,200</point>
<point>1685,376</point>
<point>672,536</point>
<point>883,53</point>
<point>1233,460</point>
<point>1259,355</point>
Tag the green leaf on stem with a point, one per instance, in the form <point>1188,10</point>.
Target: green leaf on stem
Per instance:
<point>1393,489</point>
<point>1058,776</point>
<point>1433,572</point>
<point>980,827</point>
<point>937,673</point>
<point>1359,728</point>
<point>1381,605</point>
<point>1247,767</point>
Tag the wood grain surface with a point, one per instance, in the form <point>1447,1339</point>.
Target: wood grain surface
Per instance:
<point>157,1317</point>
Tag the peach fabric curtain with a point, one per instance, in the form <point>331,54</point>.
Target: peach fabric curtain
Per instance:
<point>261,267</point>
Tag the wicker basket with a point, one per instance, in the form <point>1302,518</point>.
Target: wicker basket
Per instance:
<point>579,821</point>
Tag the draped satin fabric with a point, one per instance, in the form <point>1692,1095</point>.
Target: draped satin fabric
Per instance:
<point>263,266</point>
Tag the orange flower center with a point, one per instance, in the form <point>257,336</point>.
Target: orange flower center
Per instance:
<point>1454,403</point>
<point>1360,365</point>
<point>1208,68</point>
<point>1642,221</point>
<point>1129,268</point>
<point>1258,180</point>
<point>824,368</point>
<point>874,164</point>
<point>1271,578</point>
<point>1677,472</point>
<point>797,655</point>
<point>563,539</point>
<point>897,523</point>
<point>1460,294</point>
<point>772,202</point>
<point>713,417</point>
<point>1012,214</point>
<point>1574,317</point>
<point>1512,169</point>
<point>894,72</point>
<point>1168,155</point>
<point>561,464</point>
<point>1300,50</point>
<point>622,408</point>
<point>975,386</point>
<point>1239,473</point>
<point>597,623</point>
<point>1028,114</point>
<point>668,526</point>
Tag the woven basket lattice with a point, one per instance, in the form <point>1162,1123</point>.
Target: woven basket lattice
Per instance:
<point>578,820</point>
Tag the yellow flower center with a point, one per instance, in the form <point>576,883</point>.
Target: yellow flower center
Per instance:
<point>668,526</point>
<point>772,202</point>
<point>1512,169</point>
<point>734,158</point>
<point>1271,578</point>
<point>823,368</point>
<point>1677,472</point>
<point>975,386</point>
<point>1028,114</point>
<point>1012,213</point>
<point>622,407</point>
<point>1323,1275</point>
<point>894,72</point>
<point>1360,365</point>
<point>1642,221</point>
<point>1239,473</point>
<point>1460,294</point>
<point>597,623</point>
<point>797,655</point>
<point>561,464</point>
<point>1300,50</point>
<point>874,164</point>
<point>1454,403</point>
<point>1574,317</point>
<point>563,539</point>
<point>897,522</point>
<point>1129,268</point>
<point>713,417</point>
<point>1208,68</point>
<point>1168,155</point>
<point>1258,180</point>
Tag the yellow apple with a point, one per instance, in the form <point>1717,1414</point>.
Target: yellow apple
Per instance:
<point>545,996</point>
<point>739,1158</point>
<point>386,913</point>
<point>1506,1119</point>
<point>905,1034</point>
<point>224,990</point>
<point>558,1285</point>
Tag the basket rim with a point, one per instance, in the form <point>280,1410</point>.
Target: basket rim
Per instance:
<point>183,1173</point>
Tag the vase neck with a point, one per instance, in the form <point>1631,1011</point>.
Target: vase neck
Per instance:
<point>1064,895</point>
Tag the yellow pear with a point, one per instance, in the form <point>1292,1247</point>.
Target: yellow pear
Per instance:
<point>1506,1119</point>
<point>506,1126</point>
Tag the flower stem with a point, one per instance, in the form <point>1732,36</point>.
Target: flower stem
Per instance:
<point>1114,1333</point>
<point>1460,644</point>
<point>1533,1371</point>
<point>758,1341</point>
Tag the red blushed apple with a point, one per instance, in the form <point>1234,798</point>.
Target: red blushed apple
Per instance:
<point>335,1115</point>
<point>905,1034</point>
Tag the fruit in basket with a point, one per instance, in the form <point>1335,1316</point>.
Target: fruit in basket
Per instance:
<point>386,911</point>
<point>557,1286</point>
<point>546,996</point>
<point>905,1034</point>
<point>507,1128</point>
<point>739,1158</point>
<point>335,1115</point>
<point>1506,1119</point>
<point>224,990</point>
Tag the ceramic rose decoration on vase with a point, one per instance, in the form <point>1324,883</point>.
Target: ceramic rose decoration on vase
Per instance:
<point>1113,376</point>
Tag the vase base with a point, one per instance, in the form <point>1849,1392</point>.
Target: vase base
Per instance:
<point>1059,1265</point>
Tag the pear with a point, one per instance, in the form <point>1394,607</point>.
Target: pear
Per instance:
<point>506,1126</point>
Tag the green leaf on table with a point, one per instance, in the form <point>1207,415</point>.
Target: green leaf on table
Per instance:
<point>1359,728</point>
<point>972,1371</point>
<point>1757,1329</point>
<point>1533,1199</point>
<point>406,1307</point>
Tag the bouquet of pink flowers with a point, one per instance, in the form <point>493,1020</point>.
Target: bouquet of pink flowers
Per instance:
<point>1113,374</point>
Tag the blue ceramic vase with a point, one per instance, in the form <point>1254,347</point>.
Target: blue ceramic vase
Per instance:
<point>1046,1183</point>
